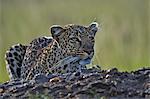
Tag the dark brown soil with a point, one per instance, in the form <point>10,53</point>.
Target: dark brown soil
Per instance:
<point>90,84</point>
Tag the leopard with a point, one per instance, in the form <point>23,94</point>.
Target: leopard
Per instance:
<point>69,48</point>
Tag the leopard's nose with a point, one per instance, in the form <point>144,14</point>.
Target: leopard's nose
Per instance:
<point>88,48</point>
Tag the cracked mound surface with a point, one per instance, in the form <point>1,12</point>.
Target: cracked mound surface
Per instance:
<point>91,83</point>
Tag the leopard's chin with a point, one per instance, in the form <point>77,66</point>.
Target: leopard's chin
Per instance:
<point>85,61</point>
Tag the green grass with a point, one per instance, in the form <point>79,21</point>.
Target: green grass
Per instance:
<point>123,41</point>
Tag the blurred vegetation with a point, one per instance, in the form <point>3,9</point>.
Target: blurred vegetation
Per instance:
<point>123,42</point>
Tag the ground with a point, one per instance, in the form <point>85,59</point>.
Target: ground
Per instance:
<point>91,83</point>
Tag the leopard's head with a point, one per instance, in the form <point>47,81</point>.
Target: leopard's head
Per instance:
<point>76,38</point>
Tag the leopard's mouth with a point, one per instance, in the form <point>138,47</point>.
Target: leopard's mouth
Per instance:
<point>84,55</point>
<point>90,52</point>
<point>87,58</point>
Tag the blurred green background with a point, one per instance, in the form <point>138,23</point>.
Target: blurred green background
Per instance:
<point>123,42</point>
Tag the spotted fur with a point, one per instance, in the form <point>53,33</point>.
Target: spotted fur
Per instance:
<point>69,49</point>
<point>14,57</point>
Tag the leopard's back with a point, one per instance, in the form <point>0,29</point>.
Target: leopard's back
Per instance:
<point>14,57</point>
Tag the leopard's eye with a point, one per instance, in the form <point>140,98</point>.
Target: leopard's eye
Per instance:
<point>71,41</point>
<point>75,41</point>
<point>91,37</point>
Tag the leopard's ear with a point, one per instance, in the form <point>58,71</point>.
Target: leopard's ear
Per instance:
<point>56,30</point>
<point>93,26</point>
